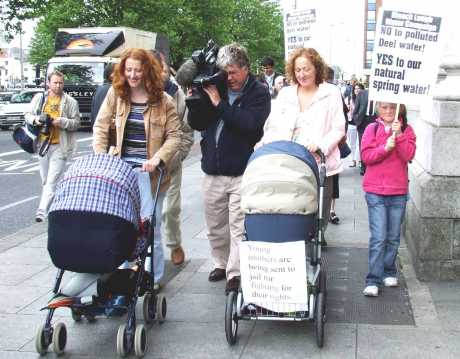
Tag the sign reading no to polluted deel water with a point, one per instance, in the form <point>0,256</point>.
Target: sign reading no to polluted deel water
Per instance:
<point>405,58</point>
<point>298,29</point>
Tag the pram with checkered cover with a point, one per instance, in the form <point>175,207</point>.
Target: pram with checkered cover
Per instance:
<point>94,226</point>
<point>282,198</point>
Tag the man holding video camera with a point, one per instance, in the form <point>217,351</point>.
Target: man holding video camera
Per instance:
<point>227,143</point>
<point>58,115</point>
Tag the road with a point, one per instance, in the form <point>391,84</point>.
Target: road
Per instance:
<point>20,184</point>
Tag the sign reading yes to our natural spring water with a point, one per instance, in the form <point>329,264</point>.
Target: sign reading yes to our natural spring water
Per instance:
<point>274,275</point>
<point>406,56</point>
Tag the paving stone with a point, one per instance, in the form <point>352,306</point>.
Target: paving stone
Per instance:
<point>297,340</point>
<point>393,342</point>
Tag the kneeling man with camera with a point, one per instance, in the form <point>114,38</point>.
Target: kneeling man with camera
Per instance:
<point>240,108</point>
<point>57,114</point>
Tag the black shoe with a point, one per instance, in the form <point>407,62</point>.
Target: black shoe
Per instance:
<point>362,171</point>
<point>323,243</point>
<point>216,275</point>
<point>232,285</point>
<point>333,218</point>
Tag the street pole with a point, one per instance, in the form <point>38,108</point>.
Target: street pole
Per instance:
<point>20,56</point>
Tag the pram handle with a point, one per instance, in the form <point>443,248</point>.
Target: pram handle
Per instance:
<point>321,155</point>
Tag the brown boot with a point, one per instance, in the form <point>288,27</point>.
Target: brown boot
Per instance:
<point>177,256</point>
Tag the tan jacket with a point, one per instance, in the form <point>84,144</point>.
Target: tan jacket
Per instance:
<point>162,128</point>
<point>187,132</point>
<point>70,120</point>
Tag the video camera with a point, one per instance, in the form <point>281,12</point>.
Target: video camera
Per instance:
<point>207,73</point>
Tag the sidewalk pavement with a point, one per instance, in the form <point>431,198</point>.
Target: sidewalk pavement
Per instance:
<point>194,327</point>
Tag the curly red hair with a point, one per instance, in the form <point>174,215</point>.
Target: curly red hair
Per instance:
<point>312,55</point>
<point>152,75</point>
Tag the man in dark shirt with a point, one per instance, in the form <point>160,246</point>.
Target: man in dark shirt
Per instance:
<point>101,92</point>
<point>227,143</point>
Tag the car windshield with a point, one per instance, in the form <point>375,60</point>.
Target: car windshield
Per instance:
<point>22,97</point>
<point>80,73</point>
<point>4,97</point>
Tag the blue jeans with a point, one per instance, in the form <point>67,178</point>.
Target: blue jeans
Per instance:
<point>145,190</point>
<point>386,214</point>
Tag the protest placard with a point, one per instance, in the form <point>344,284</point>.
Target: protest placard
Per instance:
<point>298,29</point>
<point>274,275</point>
<point>406,57</point>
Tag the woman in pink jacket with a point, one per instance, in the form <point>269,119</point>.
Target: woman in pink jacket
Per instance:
<point>386,148</point>
<point>310,112</point>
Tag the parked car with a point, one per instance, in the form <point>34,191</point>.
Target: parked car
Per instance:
<point>5,96</point>
<point>13,112</point>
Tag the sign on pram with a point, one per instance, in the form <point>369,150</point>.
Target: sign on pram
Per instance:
<point>274,275</point>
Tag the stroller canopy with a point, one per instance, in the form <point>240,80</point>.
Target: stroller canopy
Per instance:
<point>281,178</point>
<point>99,183</point>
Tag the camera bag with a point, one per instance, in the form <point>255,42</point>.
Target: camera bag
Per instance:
<point>26,134</point>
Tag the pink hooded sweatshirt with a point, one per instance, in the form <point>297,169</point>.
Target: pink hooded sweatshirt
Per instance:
<point>386,172</point>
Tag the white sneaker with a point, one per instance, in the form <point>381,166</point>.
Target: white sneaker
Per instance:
<point>40,216</point>
<point>391,282</point>
<point>371,291</point>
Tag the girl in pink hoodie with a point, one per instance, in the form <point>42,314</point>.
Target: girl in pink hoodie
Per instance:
<point>387,147</point>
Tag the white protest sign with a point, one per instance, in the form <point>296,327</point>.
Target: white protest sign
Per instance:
<point>298,29</point>
<point>274,275</point>
<point>406,57</point>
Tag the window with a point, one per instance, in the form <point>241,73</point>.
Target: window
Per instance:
<point>368,64</point>
<point>368,55</point>
<point>370,45</point>
<point>371,6</point>
<point>371,26</point>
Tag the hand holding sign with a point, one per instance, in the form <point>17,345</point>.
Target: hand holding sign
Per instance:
<point>396,127</point>
<point>390,142</point>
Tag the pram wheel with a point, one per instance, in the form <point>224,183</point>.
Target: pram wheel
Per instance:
<point>90,318</point>
<point>149,308</point>
<point>161,308</point>
<point>123,342</point>
<point>76,316</point>
<point>42,340</point>
<point>59,338</point>
<point>320,318</point>
<point>140,341</point>
<point>231,318</point>
<point>322,282</point>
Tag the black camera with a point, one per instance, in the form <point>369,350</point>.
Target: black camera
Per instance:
<point>45,121</point>
<point>207,74</point>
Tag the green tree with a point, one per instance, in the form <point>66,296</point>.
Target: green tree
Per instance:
<point>189,24</point>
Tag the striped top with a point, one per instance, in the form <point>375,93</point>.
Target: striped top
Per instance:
<point>134,148</point>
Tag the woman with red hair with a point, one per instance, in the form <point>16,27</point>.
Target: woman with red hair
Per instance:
<point>146,129</point>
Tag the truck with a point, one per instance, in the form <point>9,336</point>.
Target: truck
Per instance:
<point>82,54</point>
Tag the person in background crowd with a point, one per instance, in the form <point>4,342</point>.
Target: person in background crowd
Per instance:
<point>269,75</point>
<point>352,132</point>
<point>171,216</point>
<point>310,113</point>
<point>387,147</point>
<point>363,115</point>
<point>333,218</point>
<point>101,92</point>
<point>280,82</point>
<point>62,110</point>
<point>226,145</point>
<point>148,132</point>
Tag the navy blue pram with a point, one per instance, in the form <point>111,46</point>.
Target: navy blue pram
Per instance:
<point>94,225</point>
<point>282,198</point>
